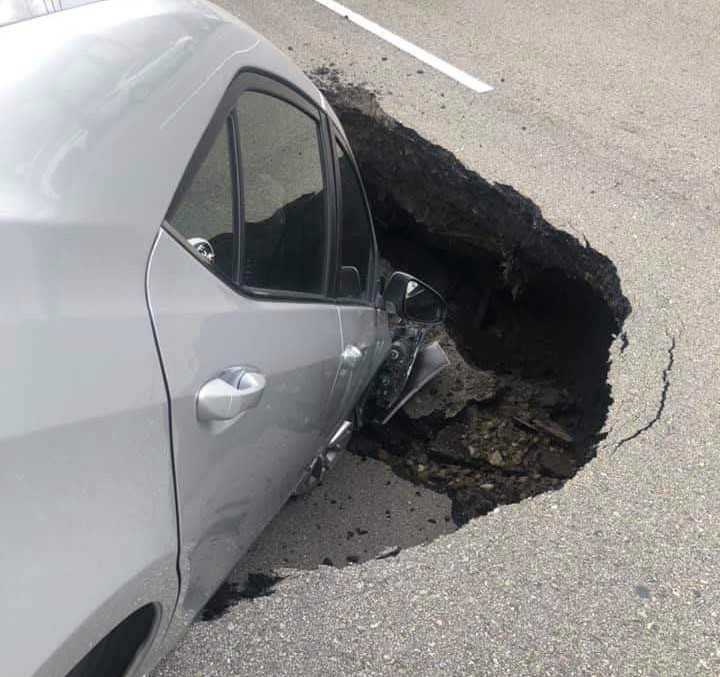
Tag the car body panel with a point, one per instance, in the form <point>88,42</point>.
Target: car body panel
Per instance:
<point>86,465</point>
<point>365,328</point>
<point>99,116</point>
<point>233,476</point>
<point>86,479</point>
<point>12,11</point>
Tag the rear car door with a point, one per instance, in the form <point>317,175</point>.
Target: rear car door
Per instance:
<point>365,335</point>
<point>250,341</point>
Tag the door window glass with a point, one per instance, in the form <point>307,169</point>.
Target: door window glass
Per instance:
<point>284,246</point>
<point>205,215</point>
<point>356,244</point>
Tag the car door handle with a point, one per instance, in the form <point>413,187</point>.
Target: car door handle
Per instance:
<point>235,390</point>
<point>351,357</point>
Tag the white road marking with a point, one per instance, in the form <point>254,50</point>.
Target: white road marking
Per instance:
<point>406,46</point>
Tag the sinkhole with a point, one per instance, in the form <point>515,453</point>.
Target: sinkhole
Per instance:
<point>532,313</point>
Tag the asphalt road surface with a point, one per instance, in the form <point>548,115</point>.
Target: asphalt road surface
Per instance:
<point>606,114</point>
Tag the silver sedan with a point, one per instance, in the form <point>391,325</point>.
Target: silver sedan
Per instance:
<point>193,321</point>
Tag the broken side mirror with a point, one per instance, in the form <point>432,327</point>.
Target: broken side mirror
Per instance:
<point>413,300</point>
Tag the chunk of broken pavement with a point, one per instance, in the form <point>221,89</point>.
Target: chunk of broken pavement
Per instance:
<point>557,463</point>
<point>456,386</point>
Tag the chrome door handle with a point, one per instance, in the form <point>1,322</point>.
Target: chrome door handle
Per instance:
<point>351,357</point>
<point>227,396</point>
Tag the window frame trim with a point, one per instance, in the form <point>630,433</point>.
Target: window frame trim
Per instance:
<point>339,137</point>
<point>202,150</point>
<point>272,87</point>
<point>253,79</point>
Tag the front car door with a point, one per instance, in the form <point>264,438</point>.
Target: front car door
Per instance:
<point>238,284</point>
<point>364,327</point>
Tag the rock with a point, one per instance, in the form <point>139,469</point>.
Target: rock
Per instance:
<point>557,463</point>
<point>553,429</point>
<point>423,475</point>
<point>496,459</point>
<point>449,442</point>
<point>389,552</point>
<point>385,456</point>
<point>480,442</point>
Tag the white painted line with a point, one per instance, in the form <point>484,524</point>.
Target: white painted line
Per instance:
<point>406,46</point>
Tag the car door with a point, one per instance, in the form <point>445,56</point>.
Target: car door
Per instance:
<point>249,339</point>
<point>365,335</point>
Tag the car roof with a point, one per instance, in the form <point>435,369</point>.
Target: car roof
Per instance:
<point>105,105</point>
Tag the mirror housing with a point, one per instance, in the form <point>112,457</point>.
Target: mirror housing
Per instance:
<point>413,300</point>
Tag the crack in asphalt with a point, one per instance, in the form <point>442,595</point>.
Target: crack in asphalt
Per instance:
<point>663,397</point>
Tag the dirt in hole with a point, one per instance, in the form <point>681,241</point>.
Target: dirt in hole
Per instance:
<point>532,313</point>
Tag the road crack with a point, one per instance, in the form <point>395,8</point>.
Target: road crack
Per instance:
<point>663,397</point>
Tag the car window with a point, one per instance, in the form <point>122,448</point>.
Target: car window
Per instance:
<point>356,243</point>
<point>204,216</point>
<point>284,212</point>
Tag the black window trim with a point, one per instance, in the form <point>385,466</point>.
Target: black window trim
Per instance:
<point>251,79</point>
<point>372,271</point>
<point>210,135</point>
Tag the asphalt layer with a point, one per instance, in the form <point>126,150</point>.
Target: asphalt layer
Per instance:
<point>606,115</point>
<point>361,510</point>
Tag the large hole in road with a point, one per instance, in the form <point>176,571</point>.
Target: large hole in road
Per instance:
<point>532,313</point>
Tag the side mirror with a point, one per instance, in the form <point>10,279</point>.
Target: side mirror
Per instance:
<point>413,300</point>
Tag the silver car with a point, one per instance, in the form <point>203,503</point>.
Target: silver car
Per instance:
<point>193,320</point>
